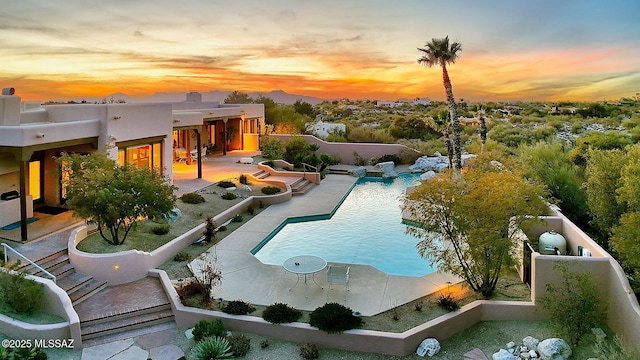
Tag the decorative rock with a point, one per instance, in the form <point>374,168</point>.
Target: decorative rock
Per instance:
<point>533,354</point>
<point>525,356</point>
<point>530,342</point>
<point>429,347</point>
<point>189,333</point>
<point>429,163</point>
<point>475,354</point>
<point>511,345</point>
<point>554,349</point>
<point>503,355</point>
<point>246,160</point>
<point>428,175</point>
<point>230,188</point>
<point>388,169</point>
<point>359,172</point>
<point>246,188</point>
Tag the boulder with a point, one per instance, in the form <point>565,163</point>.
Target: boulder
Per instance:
<point>429,163</point>
<point>246,188</point>
<point>554,349</point>
<point>475,354</point>
<point>428,175</point>
<point>530,342</point>
<point>503,355</point>
<point>359,172</point>
<point>246,160</point>
<point>429,347</point>
<point>388,169</point>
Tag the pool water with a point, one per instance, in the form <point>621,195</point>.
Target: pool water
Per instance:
<point>367,228</point>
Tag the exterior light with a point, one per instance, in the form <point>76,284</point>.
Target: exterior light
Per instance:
<point>116,267</point>
<point>117,117</point>
<point>40,135</point>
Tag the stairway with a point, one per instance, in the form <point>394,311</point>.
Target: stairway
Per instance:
<point>79,287</point>
<point>261,175</point>
<point>301,186</point>
<point>119,309</point>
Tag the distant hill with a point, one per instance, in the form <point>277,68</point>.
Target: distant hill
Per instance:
<point>279,96</point>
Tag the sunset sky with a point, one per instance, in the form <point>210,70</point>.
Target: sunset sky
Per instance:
<point>511,50</point>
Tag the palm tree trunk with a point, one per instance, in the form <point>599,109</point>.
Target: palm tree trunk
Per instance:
<point>455,122</point>
<point>483,132</point>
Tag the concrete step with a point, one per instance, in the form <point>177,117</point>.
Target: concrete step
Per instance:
<point>261,174</point>
<point>73,282</point>
<point>301,187</point>
<point>84,292</point>
<point>59,271</point>
<point>48,258</point>
<point>134,321</point>
<point>124,314</point>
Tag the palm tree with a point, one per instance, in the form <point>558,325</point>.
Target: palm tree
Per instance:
<point>440,52</point>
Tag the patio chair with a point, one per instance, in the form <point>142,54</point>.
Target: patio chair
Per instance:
<point>203,152</point>
<point>338,274</point>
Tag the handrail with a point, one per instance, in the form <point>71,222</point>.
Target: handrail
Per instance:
<point>5,246</point>
<point>305,166</point>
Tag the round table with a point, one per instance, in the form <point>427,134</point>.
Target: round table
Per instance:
<point>305,265</point>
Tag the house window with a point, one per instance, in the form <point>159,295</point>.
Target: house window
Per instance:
<point>141,155</point>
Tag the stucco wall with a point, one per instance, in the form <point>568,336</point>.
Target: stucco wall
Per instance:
<point>345,151</point>
<point>56,302</point>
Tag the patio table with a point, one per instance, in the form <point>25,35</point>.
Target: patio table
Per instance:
<point>305,265</point>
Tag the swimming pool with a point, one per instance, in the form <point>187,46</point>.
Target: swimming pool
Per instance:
<point>366,228</point>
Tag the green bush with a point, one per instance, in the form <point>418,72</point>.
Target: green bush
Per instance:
<point>28,353</point>
<point>226,184</point>
<point>192,198</point>
<point>243,179</point>
<point>264,344</point>
<point>213,348</point>
<point>205,329</point>
<point>271,148</point>
<point>389,157</point>
<point>271,190</point>
<point>182,256</point>
<point>238,307</point>
<point>334,318</point>
<point>237,218</point>
<point>229,196</point>
<point>161,229</point>
<point>448,303</point>
<point>575,303</point>
<point>240,344</point>
<point>309,351</point>
<point>280,313</point>
<point>21,294</point>
<point>190,288</point>
<point>222,228</point>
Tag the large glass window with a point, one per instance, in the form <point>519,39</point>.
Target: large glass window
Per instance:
<point>141,155</point>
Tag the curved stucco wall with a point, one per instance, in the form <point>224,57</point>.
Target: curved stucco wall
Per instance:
<point>127,266</point>
<point>56,302</point>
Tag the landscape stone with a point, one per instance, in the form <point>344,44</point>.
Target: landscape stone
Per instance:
<point>428,175</point>
<point>189,333</point>
<point>429,163</point>
<point>554,349</point>
<point>533,354</point>
<point>246,188</point>
<point>166,352</point>
<point>429,347</point>
<point>475,354</point>
<point>511,345</point>
<point>106,351</point>
<point>133,352</point>
<point>359,172</point>
<point>388,169</point>
<point>530,342</point>
<point>503,355</point>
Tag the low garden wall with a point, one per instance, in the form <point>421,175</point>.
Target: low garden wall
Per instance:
<point>399,344</point>
<point>56,302</point>
<point>346,151</point>
<point>127,266</point>
<point>623,315</point>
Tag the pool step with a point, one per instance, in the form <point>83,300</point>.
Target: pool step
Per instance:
<point>301,186</point>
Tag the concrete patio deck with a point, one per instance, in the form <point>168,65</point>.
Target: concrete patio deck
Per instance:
<point>245,277</point>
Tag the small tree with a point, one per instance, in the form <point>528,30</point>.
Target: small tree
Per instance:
<point>575,303</point>
<point>210,276</point>
<point>114,197</point>
<point>466,223</point>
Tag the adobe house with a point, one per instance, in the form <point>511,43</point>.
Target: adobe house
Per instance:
<point>144,134</point>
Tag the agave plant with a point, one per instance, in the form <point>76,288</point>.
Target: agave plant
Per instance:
<point>212,348</point>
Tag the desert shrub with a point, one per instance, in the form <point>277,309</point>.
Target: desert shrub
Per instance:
<point>271,148</point>
<point>575,303</point>
<point>264,344</point>
<point>189,289</point>
<point>251,210</point>
<point>614,349</point>
<point>237,218</point>
<point>243,179</point>
<point>212,348</point>
<point>226,184</point>
<point>161,229</point>
<point>21,294</point>
<point>271,190</point>
<point>192,198</point>
<point>209,231</point>
<point>328,159</point>
<point>389,157</point>
<point>448,303</point>
<point>222,228</point>
<point>280,313</point>
<point>182,256</point>
<point>309,351</point>
<point>204,329</point>
<point>238,307</point>
<point>334,318</point>
<point>270,164</point>
<point>240,344</point>
<point>229,196</point>
<point>28,353</point>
